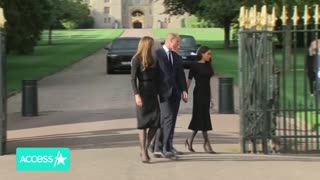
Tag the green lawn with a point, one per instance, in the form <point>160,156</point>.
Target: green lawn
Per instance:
<point>201,34</point>
<point>69,46</point>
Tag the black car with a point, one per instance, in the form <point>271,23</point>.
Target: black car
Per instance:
<point>120,53</point>
<point>188,49</point>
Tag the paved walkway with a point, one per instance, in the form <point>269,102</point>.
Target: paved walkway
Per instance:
<point>93,113</point>
<point>107,149</point>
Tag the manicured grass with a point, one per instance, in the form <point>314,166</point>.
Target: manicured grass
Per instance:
<point>69,46</point>
<point>201,34</point>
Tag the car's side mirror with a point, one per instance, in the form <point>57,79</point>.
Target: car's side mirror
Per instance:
<point>107,48</point>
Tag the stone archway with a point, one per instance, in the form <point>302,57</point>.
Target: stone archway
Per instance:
<point>137,25</point>
<point>137,19</point>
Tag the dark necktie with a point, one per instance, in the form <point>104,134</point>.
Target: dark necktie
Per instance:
<point>170,57</point>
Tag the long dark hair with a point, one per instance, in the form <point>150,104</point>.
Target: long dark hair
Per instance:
<point>144,52</point>
<point>201,50</point>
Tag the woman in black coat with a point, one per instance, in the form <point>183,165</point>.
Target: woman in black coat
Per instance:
<point>144,85</point>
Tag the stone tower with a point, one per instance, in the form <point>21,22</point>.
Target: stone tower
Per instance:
<point>131,14</point>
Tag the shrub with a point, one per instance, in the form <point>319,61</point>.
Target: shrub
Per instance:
<point>86,23</point>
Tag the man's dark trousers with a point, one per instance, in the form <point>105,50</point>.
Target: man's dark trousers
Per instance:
<point>168,114</point>
<point>172,82</point>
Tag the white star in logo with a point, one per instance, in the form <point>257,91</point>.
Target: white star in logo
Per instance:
<point>59,159</point>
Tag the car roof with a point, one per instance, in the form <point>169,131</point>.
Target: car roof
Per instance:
<point>181,36</point>
<point>185,36</point>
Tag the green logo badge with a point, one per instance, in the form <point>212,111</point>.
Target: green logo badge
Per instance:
<point>43,159</point>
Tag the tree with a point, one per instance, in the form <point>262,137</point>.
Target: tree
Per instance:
<point>25,22</point>
<point>224,12</point>
<point>220,12</point>
<point>69,12</point>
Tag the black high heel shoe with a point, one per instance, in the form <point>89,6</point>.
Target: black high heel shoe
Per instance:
<point>189,146</point>
<point>207,148</point>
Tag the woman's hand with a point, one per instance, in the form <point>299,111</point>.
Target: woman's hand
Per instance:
<point>138,100</point>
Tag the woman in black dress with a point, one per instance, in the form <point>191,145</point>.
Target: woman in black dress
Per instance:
<point>202,72</point>
<point>143,69</point>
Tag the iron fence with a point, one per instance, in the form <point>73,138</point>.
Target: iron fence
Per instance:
<point>279,113</point>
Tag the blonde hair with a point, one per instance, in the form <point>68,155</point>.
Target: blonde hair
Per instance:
<point>172,35</point>
<point>144,52</point>
<point>313,47</point>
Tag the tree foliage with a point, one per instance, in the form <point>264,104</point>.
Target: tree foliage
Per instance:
<point>220,12</point>
<point>26,20</point>
<point>223,12</point>
<point>71,10</point>
<point>69,13</point>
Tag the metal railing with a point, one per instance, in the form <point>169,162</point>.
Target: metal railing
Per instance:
<point>278,113</point>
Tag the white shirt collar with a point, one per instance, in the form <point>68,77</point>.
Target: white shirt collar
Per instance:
<point>165,48</point>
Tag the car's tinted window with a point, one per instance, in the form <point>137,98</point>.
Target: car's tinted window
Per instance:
<point>187,42</point>
<point>125,44</point>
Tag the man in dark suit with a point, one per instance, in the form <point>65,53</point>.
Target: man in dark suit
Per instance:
<point>172,87</point>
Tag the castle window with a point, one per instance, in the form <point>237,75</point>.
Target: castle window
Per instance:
<point>107,10</point>
<point>137,13</point>
<point>107,20</point>
<point>169,20</point>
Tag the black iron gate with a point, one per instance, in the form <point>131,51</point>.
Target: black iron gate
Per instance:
<point>278,111</point>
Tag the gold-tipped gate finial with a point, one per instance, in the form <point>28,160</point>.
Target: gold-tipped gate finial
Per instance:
<point>272,18</point>
<point>253,17</point>
<point>316,14</point>
<point>241,16</point>
<point>264,16</point>
<point>284,16</point>
<point>295,17</point>
<point>306,16</point>
<point>259,25</point>
<point>246,18</point>
<point>2,18</point>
